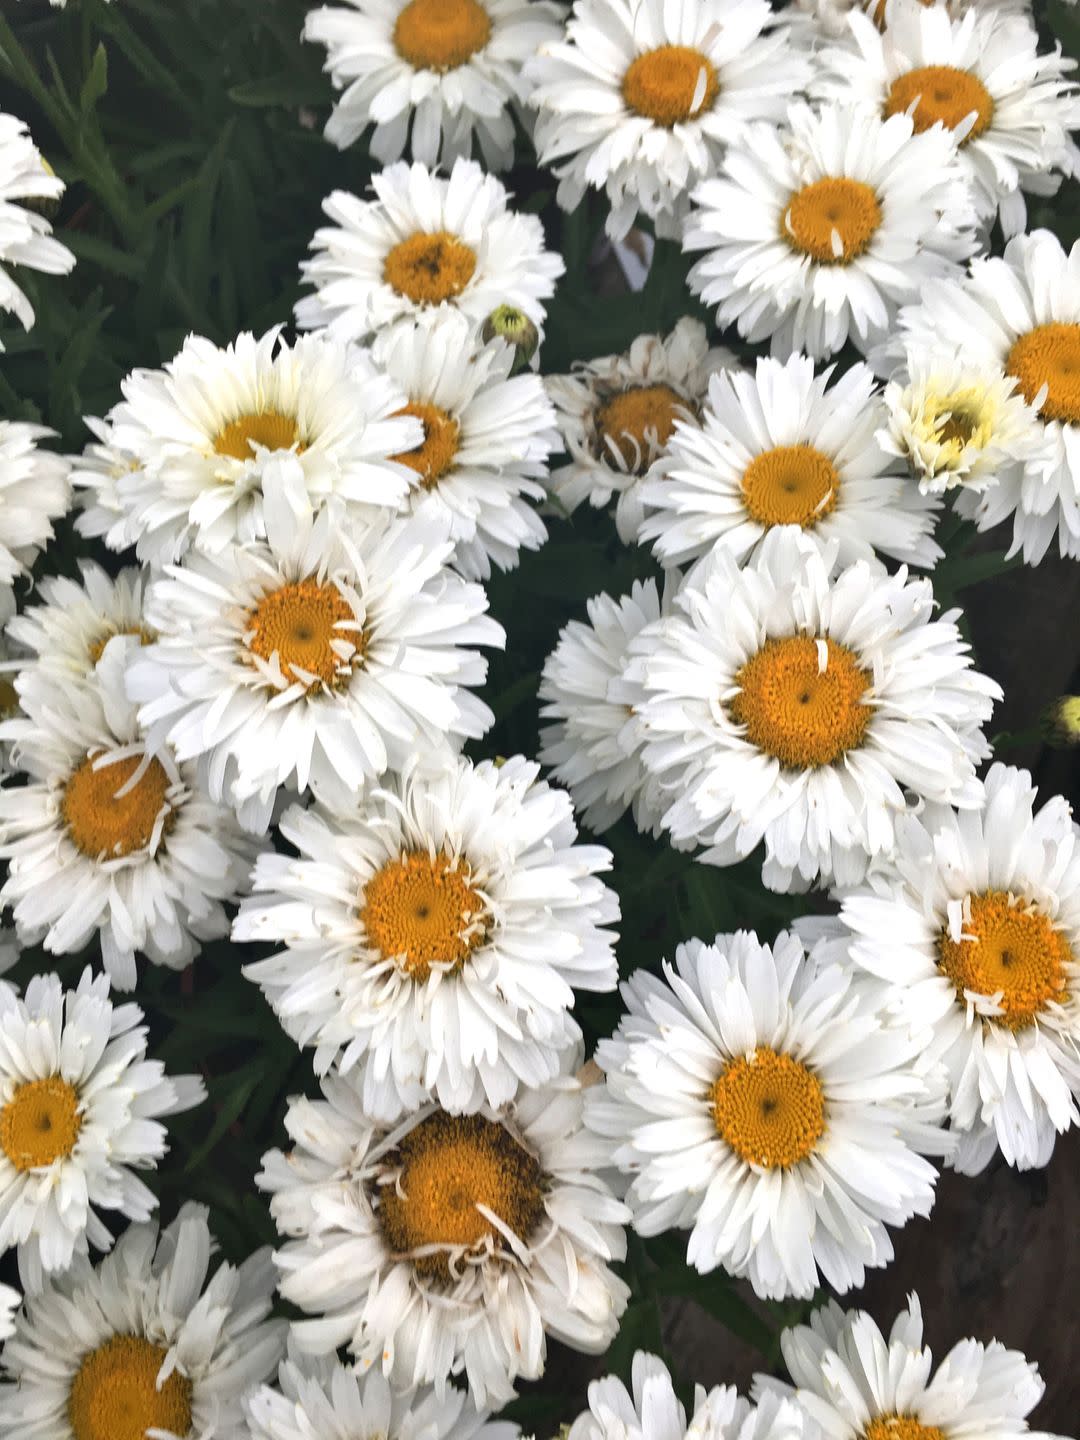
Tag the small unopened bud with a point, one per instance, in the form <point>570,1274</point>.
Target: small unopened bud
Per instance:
<point>514,326</point>
<point>1061,722</point>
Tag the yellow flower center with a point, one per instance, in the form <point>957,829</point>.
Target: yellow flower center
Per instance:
<point>832,220</point>
<point>441,34</point>
<point>104,823</point>
<point>97,648</point>
<point>434,458</point>
<point>428,269</point>
<point>798,711</point>
<point>270,428</point>
<point>670,84</point>
<point>115,1395</point>
<point>769,1108</point>
<point>901,1427</point>
<point>639,423</point>
<point>1013,949</point>
<point>311,626</point>
<point>1049,355</point>
<point>942,93</point>
<point>40,1123</point>
<point>422,910</point>
<point>790,485</point>
<point>449,1166</point>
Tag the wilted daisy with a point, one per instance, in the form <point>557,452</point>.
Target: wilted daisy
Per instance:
<point>766,1103</point>
<point>618,412</point>
<point>425,241</point>
<point>319,658</point>
<point>34,491</point>
<point>785,447</point>
<point>203,433</point>
<point>855,1383</point>
<point>816,233</point>
<point>1019,315</point>
<point>142,1344</point>
<point>641,97</point>
<point>433,934</point>
<point>80,1108</point>
<point>109,836</point>
<point>975,919</point>
<point>449,69</point>
<point>25,235</point>
<point>793,702</point>
<point>980,76</point>
<point>487,436</point>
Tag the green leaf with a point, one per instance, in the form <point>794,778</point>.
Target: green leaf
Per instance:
<point>280,91</point>
<point>97,81</point>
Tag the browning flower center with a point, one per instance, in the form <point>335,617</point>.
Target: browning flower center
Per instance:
<point>832,220</point>
<point>1010,947</point>
<point>115,1395</point>
<point>670,84</point>
<point>434,457</point>
<point>638,423</point>
<point>312,629</point>
<point>428,269</point>
<point>769,1108</point>
<point>40,1123</point>
<point>422,910</point>
<point>805,708</point>
<point>1049,355</point>
<point>270,428</point>
<point>790,485</point>
<point>105,823</point>
<point>447,1167</point>
<point>901,1427</point>
<point>941,92</point>
<point>441,34</point>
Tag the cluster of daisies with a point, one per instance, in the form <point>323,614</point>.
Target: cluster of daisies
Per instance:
<point>253,725</point>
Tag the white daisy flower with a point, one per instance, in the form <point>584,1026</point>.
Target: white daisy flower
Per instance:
<point>10,1300</point>
<point>817,233</point>
<point>785,447</point>
<point>857,1384</point>
<point>423,242</point>
<point>109,838</point>
<point>142,1344</point>
<point>980,76</point>
<point>814,22</point>
<point>449,68</point>
<point>80,1108</point>
<point>641,98</point>
<point>1019,315</point>
<point>449,1245</point>
<point>25,235</point>
<point>432,936</point>
<point>318,658</point>
<point>487,436</point>
<point>975,920</point>
<point>95,477</point>
<point>792,702</point>
<point>34,491</point>
<point>203,433</point>
<point>618,412</point>
<point>766,1103</point>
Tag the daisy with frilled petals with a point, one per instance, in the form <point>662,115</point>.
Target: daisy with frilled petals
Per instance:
<point>816,233</point>
<point>450,1245</point>
<point>793,702</point>
<point>433,934</point>
<point>618,412</point>
<point>158,1349</point>
<point>79,1114</point>
<point>25,235</point>
<point>95,477</point>
<point>34,491</point>
<point>202,433</point>
<point>449,68</point>
<point>425,241</point>
<point>1019,315</point>
<point>642,96</point>
<point>785,447</point>
<point>487,436</point>
<point>855,1383</point>
<point>975,920</point>
<point>980,76</point>
<point>109,836</point>
<point>765,1102</point>
<point>318,658</point>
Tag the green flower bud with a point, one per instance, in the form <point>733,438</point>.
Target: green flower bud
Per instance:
<point>515,327</point>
